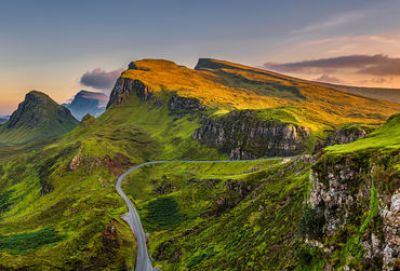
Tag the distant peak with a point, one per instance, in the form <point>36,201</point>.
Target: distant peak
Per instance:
<point>36,93</point>
<point>88,94</point>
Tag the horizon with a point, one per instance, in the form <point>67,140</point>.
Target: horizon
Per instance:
<point>61,48</point>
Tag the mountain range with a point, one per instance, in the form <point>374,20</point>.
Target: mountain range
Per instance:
<point>317,187</point>
<point>86,102</point>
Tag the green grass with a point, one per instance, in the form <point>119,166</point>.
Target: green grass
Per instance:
<point>38,188</point>
<point>261,220</point>
<point>385,138</point>
<point>24,242</point>
<point>162,214</point>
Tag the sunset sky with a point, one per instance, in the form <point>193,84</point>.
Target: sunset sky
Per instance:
<point>60,47</point>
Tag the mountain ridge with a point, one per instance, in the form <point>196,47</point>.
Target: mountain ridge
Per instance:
<point>38,116</point>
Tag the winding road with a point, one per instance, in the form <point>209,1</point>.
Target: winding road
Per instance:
<point>143,261</point>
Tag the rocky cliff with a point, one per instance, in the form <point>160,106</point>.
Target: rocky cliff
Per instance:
<point>344,135</point>
<point>125,88</point>
<point>243,135</point>
<point>354,216</point>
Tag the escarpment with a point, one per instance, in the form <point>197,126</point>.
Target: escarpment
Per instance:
<point>355,212</point>
<point>242,135</point>
<point>124,88</point>
<point>344,135</point>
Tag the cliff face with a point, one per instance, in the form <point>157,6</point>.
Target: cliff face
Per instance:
<point>124,88</point>
<point>345,135</point>
<point>243,136</point>
<point>355,213</point>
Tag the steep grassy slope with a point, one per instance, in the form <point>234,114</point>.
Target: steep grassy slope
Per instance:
<point>227,86</point>
<point>384,94</point>
<point>59,209</point>
<point>38,117</point>
<point>385,138</point>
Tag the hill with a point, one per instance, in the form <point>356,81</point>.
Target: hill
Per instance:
<point>384,94</point>
<point>289,116</point>
<point>86,102</point>
<point>37,117</point>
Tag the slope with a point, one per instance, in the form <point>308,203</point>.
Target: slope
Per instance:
<point>38,117</point>
<point>227,86</point>
<point>384,94</point>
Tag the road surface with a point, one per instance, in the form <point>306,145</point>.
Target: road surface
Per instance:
<point>143,261</point>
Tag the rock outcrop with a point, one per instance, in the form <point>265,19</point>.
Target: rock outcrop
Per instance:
<point>184,105</point>
<point>125,88</point>
<point>244,136</point>
<point>344,135</point>
<point>351,205</point>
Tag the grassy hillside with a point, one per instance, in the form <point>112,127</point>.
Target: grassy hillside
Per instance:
<point>384,94</point>
<point>222,216</point>
<point>60,197</point>
<point>228,86</point>
<point>386,138</point>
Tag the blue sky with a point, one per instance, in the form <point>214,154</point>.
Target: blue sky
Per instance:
<point>48,45</point>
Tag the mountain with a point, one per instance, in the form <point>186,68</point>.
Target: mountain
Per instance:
<point>276,114</point>
<point>4,119</point>
<point>37,117</point>
<point>86,102</point>
<point>330,203</point>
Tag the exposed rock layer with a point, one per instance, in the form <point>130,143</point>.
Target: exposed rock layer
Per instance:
<point>244,136</point>
<point>360,208</point>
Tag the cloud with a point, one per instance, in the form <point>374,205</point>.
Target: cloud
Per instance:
<point>380,65</point>
<point>330,23</point>
<point>328,79</point>
<point>100,79</point>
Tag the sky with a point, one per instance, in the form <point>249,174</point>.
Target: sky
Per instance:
<point>60,47</point>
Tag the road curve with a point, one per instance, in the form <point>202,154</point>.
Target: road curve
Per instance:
<point>143,262</point>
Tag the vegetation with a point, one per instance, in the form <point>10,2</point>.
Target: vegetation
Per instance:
<point>386,137</point>
<point>236,216</point>
<point>229,86</point>
<point>59,208</point>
